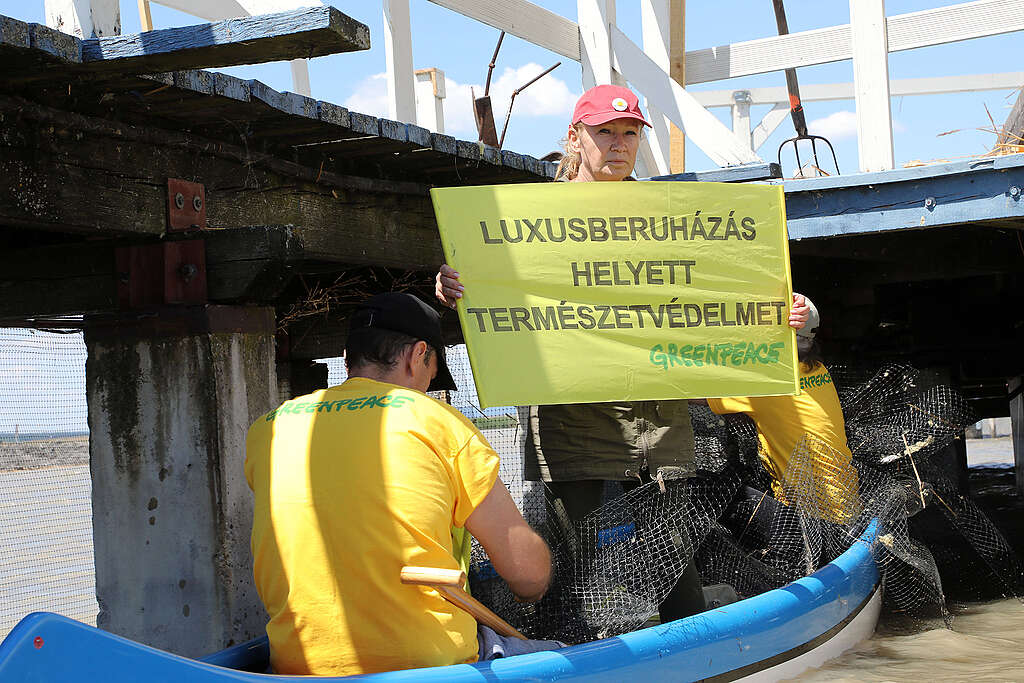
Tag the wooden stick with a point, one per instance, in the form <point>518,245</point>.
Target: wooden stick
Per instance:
<point>145,18</point>
<point>449,582</point>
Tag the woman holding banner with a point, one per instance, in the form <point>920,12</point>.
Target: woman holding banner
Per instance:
<point>576,448</point>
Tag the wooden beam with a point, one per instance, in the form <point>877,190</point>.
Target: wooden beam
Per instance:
<point>595,18</point>
<point>84,18</point>
<point>677,70</point>
<point>145,16</point>
<point>963,21</point>
<point>657,27</point>
<point>83,175</point>
<point>871,85</point>
<point>525,20</point>
<point>907,199</point>
<point>820,46</point>
<point>703,129</point>
<point>307,32</point>
<point>1012,132</point>
<point>772,120</point>
<point>398,59</point>
<point>824,92</point>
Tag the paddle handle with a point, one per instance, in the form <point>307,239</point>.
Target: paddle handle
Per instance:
<point>449,582</point>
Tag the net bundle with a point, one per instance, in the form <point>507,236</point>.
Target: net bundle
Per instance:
<point>613,569</point>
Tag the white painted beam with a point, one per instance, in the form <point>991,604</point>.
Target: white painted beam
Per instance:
<point>300,77</point>
<point>398,55</point>
<point>937,85</point>
<point>656,22</point>
<point>524,20</point>
<point>741,117</point>
<point>905,32</point>
<point>84,18</point>
<point>595,17</point>
<point>937,26</point>
<point>871,85</point>
<point>700,125</point>
<point>772,120</point>
<point>430,94</point>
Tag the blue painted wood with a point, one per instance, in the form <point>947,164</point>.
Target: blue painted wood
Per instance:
<point>52,648</point>
<point>393,130</point>
<point>512,159</point>
<point>285,102</point>
<point>231,87</point>
<point>14,33</point>
<point>945,194</point>
<point>467,150</point>
<point>201,82</point>
<point>305,32</point>
<point>364,123</point>
<point>442,143</point>
<point>419,135</point>
<point>732,174</point>
<point>491,155</point>
<point>333,114</point>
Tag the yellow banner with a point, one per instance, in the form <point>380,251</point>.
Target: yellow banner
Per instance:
<point>586,292</point>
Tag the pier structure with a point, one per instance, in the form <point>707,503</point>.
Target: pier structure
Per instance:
<point>213,234</point>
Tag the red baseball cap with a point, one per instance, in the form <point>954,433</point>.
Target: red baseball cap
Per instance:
<point>605,103</point>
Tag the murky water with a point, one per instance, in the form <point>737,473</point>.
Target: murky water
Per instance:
<point>986,642</point>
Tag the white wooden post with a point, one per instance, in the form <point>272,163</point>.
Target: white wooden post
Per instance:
<point>594,17</point>
<point>772,120</point>
<point>656,22</point>
<point>741,116</point>
<point>870,40</point>
<point>398,52</point>
<point>430,96</point>
<point>300,77</point>
<point>84,18</point>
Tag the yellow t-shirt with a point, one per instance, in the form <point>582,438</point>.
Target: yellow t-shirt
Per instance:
<point>351,484</point>
<point>813,418</point>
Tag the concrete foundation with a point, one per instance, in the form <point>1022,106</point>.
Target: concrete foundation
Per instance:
<point>170,399</point>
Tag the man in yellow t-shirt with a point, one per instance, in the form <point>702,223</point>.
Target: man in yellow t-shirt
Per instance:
<point>356,481</point>
<point>811,421</point>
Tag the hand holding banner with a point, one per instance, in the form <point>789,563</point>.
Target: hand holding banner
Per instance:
<point>587,292</point>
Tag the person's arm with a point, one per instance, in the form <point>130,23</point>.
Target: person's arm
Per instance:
<point>518,554</point>
<point>447,287</point>
<point>798,314</point>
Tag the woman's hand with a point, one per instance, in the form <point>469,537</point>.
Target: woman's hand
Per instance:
<point>798,314</point>
<point>448,289</point>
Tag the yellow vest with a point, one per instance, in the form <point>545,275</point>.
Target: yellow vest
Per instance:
<point>812,420</point>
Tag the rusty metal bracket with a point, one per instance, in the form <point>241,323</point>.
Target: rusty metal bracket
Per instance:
<point>186,206</point>
<point>162,273</point>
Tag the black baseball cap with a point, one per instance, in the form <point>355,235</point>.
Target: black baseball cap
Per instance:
<point>407,314</point>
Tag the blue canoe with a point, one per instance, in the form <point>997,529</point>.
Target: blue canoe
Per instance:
<point>771,636</point>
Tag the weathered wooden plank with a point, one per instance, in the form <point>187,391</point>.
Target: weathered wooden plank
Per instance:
<point>732,174</point>
<point>306,32</point>
<point>76,174</point>
<point>1012,132</point>
<point>966,192</point>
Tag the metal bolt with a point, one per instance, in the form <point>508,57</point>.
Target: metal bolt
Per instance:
<point>179,200</point>
<point>188,271</point>
<point>929,202</point>
<point>1014,191</point>
<point>197,203</point>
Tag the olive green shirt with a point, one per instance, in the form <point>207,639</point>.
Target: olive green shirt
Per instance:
<point>608,441</point>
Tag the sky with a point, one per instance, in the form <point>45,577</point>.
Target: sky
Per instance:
<point>462,47</point>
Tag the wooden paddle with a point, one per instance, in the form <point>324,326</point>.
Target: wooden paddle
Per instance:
<point>449,583</point>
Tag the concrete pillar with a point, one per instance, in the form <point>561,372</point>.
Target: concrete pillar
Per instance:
<point>171,395</point>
